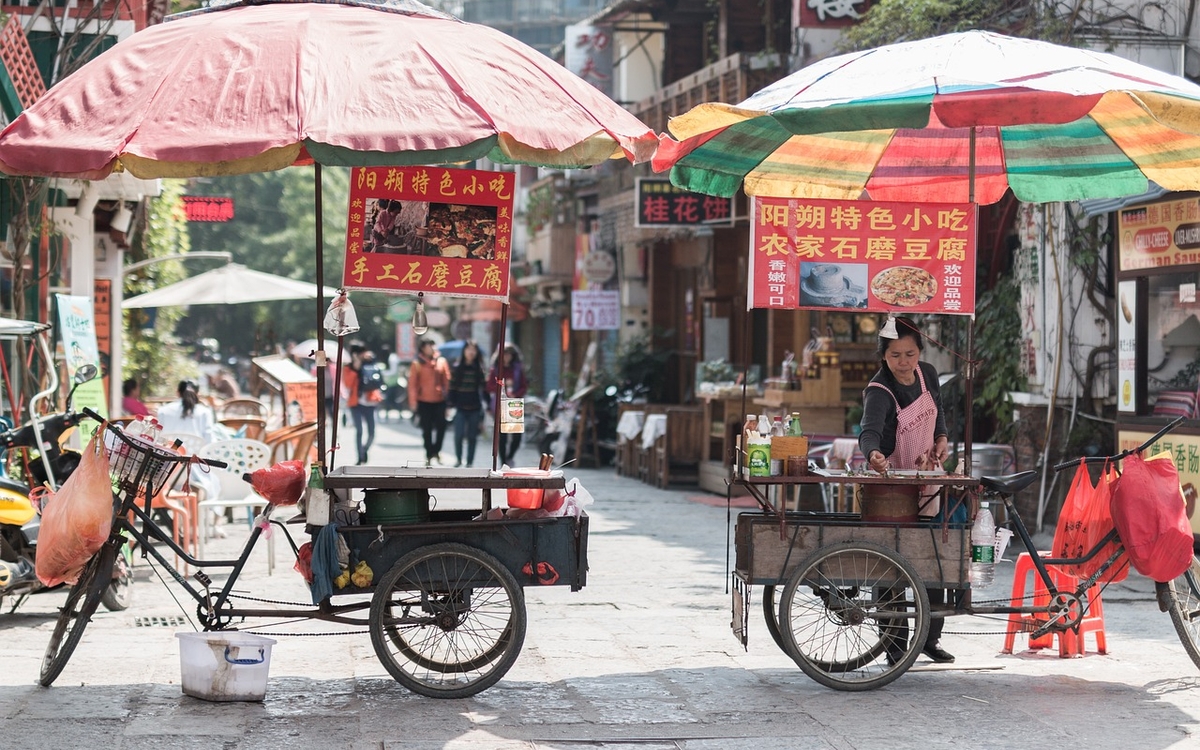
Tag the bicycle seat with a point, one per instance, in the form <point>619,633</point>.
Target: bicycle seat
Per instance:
<point>1009,484</point>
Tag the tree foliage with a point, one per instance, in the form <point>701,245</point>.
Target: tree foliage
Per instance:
<point>892,21</point>
<point>152,353</point>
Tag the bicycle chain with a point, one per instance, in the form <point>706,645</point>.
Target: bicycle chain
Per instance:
<point>245,597</point>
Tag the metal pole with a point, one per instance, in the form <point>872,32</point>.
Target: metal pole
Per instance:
<point>322,365</point>
<point>499,385</point>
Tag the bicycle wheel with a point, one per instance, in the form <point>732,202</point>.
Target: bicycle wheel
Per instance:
<point>771,615</point>
<point>1185,609</point>
<point>118,595</point>
<point>77,611</point>
<point>448,620</point>
<point>847,606</point>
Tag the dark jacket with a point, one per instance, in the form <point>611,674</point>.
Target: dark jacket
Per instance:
<point>879,410</point>
<point>466,386</point>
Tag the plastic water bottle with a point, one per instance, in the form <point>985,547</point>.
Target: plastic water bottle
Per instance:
<point>983,547</point>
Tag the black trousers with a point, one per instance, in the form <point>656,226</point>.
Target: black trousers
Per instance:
<point>432,416</point>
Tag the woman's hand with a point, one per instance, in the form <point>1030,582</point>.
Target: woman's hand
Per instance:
<point>941,450</point>
<point>878,461</point>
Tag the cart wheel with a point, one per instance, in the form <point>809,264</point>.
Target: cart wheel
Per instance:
<point>1185,609</point>
<point>846,607</point>
<point>448,620</point>
<point>771,615</point>
<point>77,612</point>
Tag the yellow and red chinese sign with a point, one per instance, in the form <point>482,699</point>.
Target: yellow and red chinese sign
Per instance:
<point>1159,234</point>
<point>430,229</point>
<point>865,255</point>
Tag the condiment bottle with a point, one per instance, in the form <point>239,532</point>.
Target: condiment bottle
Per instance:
<point>316,499</point>
<point>749,429</point>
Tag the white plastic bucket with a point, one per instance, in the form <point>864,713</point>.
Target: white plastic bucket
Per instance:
<point>228,666</point>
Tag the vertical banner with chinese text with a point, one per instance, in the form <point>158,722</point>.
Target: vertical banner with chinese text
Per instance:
<point>430,229</point>
<point>865,255</point>
<point>77,326</point>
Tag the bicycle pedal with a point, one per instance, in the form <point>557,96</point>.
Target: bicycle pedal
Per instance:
<point>202,578</point>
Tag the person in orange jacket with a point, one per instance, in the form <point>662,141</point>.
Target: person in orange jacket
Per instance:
<point>428,387</point>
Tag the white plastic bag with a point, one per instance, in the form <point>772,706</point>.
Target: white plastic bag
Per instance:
<point>574,499</point>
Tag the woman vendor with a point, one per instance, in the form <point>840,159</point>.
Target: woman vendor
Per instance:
<point>903,427</point>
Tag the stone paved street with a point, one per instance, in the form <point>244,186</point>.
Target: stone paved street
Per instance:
<point>641,658</point>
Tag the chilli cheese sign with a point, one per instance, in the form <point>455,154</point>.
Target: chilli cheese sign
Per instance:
<point>1159,234</point>
<point>864,255</point>
<point>430,229</point>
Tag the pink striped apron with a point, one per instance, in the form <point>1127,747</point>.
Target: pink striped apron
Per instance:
<point>915,425</point>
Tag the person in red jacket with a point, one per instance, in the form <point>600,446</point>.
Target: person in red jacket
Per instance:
<point>428,386</point>
<point>512,372</point>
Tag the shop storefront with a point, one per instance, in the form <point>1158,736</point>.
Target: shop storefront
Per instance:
<point>1158,331</point>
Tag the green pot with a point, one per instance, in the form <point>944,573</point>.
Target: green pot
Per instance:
<point>396,506</point>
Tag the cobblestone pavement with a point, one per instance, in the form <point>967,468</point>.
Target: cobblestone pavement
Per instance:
<point>642,657</point>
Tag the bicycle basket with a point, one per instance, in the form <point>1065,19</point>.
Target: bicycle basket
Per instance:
<point>137,465</point>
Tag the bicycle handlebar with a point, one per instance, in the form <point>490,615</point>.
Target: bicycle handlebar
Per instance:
<point>206,461</point>
<point>1097,459</point>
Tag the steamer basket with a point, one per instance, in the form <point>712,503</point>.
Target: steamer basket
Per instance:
<point>890,503</point>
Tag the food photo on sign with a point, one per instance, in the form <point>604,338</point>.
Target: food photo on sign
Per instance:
<point>430,229</point>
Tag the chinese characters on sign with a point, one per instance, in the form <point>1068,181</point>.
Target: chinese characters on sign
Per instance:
<point>207,208</point>
<point>832,13</point>
<point>598,310</point>
<point>661,204</point>
<point>1159,234</point>
<point>865,255</point>
<point>430,229</point>
<point>588,54</point>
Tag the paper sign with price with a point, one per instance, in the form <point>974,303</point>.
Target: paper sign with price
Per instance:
<point>595,310</point>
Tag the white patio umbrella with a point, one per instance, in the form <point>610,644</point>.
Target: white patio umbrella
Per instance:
<point>232,284</point>
<point>306,348</point>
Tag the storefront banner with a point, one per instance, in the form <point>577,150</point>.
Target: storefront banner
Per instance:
<point>597,310</point>
<point>1159,235</point>
<point>430,229</point>
<point>77,326</point>
<point>864,255</point>
<point>1127,395</point>
<point>661,204</point>
<point>1186,451</point>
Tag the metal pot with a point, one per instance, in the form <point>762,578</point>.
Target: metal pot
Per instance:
<point>891,503</point>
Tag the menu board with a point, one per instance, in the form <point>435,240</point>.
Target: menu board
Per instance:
<point>1159,235</point>
<point>430,229</point>
<point>862,255</point>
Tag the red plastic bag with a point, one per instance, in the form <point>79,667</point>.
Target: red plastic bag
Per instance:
<point>1148,508</point>
<point>282,484</point>
<point>1084,520</point>
<point>76,520</point>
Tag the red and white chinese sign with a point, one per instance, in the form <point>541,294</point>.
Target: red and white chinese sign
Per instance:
<point>588,53</point>
<point>865,255</point>
<point>818,14</point>
<point>598,310</point>
<point>430,229</point>
<point>208,208</point>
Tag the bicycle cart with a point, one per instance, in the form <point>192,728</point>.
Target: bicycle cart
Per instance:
<point>445,609</point>
<point>846,598</point>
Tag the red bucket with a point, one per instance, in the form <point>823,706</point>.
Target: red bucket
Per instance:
<point>526,499</point>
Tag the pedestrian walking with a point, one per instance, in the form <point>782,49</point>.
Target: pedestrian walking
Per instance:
<point>466,396</point>
<point>510,372</point>
<point>428,383</point>
<point>362,389</point>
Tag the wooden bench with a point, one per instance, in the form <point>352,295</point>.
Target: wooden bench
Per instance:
<point>676,455</point>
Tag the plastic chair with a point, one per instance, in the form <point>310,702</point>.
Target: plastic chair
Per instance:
<point>1070,642</point>
<point>292,443</point>
<point>241,456</point>
<point>244,407</point>
<point>251,428</point>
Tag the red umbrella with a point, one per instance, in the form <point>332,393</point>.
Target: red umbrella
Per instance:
<point>249,88</point>
<point>258,85</point>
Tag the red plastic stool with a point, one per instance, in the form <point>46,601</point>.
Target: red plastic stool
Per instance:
<point>1069,643</point>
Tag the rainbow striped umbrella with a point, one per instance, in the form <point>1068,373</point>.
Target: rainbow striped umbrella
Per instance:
<point>956,118</point>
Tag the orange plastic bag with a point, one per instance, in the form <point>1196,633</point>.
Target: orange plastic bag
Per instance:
<point>1084,520</point>
<point>77,519</point>
<point>1149,510</point>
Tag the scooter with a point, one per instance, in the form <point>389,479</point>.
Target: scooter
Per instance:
<point>20,518</point>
